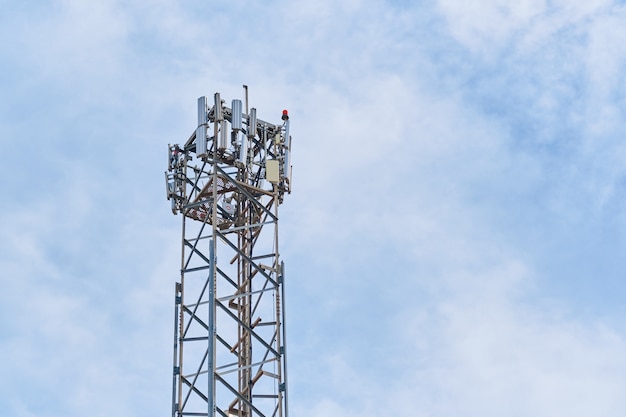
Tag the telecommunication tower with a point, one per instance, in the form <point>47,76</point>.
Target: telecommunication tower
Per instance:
<point>228,181</point>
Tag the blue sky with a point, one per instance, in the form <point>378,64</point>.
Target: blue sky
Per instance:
<point>454,241</point>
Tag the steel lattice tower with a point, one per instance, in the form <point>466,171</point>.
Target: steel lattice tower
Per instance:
<point>228,181</point>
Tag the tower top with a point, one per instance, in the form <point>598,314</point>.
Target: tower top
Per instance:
<point>234,140</point>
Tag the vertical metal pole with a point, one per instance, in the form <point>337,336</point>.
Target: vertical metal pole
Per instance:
<point>284,320</point>
<point>181,316</point>
<point>176,368</point>
<point>212,288</point>
<point>211,331</point>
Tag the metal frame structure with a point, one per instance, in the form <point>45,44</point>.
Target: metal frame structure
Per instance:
<point>228,181</point>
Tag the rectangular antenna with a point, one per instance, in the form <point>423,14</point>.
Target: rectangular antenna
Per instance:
<point>219,115</point>
<point>252,123</point>
<point>201,131</point>
<point>236,120</point>
<point>243,151</point>
<point>223,136</point>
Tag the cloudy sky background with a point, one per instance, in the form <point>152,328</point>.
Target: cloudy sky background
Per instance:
<point>454,242</point>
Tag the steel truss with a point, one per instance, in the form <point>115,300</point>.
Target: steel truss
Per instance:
<point>228,181</point>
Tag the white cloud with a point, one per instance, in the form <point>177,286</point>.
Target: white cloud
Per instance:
<point>72,40</point>
<point>502,359</point>
<point>478,352</point>
<point>483,24</point>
